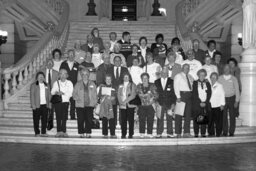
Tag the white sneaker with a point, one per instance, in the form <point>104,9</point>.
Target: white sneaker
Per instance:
<point>170,136</point>
<point>142,135</point>
<point>150,136</point>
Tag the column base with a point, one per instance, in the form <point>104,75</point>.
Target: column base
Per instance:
<point>247,108</point>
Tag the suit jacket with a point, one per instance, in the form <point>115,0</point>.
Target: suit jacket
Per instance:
<point>144,62</point>
<point>116,82</point>
<point>200,55</point>
<point>72,74</point>
<point>101,73</point>
<point>55,76</point>
<point>196,108</point>
<point>35,95</point>
<point>167,96</point>
<point>175,70</point>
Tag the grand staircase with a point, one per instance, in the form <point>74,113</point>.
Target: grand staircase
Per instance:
<point>16,123</point>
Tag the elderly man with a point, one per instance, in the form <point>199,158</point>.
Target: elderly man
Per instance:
<point>183,83</point>
<point>173,67</point>
<point>199,53</point>
<point>232,96</point>
<point>102,69</point>
<point>194,64</point>
<point>166,100</point>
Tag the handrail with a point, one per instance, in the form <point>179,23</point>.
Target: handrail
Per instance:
<point>19,75</point>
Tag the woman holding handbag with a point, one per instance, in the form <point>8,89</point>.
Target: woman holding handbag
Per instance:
<point>62,91</point>
<point>40,102</point>
<point>201,94</point>
<point>106,106</point>
<point>126,93</point>
<point>85,96</point>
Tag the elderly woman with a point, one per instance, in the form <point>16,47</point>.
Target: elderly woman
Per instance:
<point>113,41</point>
<point>85,96</point>
<point>134,54</point>
<point>143,50</point>
<point>209,68</point>
<point>126,93</point>
<point>79,54</point>
<point>56,56</point>
<point>96,38</point>
<point>201,94</point>
<point>88,46</point>
<point>235,70</point>
<point>40,102</point>
<point>117,48</point>
<point>63,88</point>
<point>217,106</point>
<point>148,95</point>
<point>107,97</point>
<point>152,68</point>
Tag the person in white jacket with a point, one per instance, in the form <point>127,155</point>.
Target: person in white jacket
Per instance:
<point>136,71</point>
<point>64,88</point>
<point>209,67</point>
<point>217,106</point>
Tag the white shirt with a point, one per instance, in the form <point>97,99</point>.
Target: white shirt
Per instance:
<point>66,87</point>
<point>163,82</point>
<point>211,53</point>
<point>181,83</point>
<point>143,52</point>
<point>136,72</point>
<point>96,59</point>
<point>152,70</point>
<point>42,94</point>
<point>202,91</point>
<point>70,64</point>
<point>119,70</point>
<point>210,69</point>
<point>112,44</point>
<point>47,74</point>
<point>218,95</point>
<point>195,66</point>
<point>56,65</point>
<point>179,59</point>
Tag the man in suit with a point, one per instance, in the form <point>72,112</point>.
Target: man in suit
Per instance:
<point>172,67</point>
<point>117,73</point>
<point>72,68</point>
<point>50,77</point>
<point>166,100</point>
<point>102,69</point>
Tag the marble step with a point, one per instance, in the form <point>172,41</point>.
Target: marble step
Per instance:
<point>98,132</point>
<point>28,122</point>
<point>136,141</point>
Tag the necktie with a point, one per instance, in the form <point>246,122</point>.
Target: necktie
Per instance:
<point>189,85</point>
<point>117,73</point>
<point>49,78</point>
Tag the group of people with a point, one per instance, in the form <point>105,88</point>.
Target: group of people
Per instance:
<point>102,78</point>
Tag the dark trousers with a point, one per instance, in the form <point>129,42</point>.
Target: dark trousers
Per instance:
<point>50,118</point>
<point>146,114</point>
<point>40,113</point>
<point>72,111</point>
<point>61,110</point>
<point>115,114</point>
<point>127,115</point>
<point>84,120</point>
<point>160,122</point>
<point>108,123</point>
<point>229,108</point>
<point>197,126</point>
<point>215,125</point>
<point>186,98</point>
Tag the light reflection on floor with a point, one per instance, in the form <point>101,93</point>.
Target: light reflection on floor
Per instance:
<point>96,158</point>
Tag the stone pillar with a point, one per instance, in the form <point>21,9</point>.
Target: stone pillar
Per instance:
<point>1,99</point>
<point>248,65</point>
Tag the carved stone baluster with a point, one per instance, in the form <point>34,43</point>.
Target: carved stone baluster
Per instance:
<point>6,86</point>
<point>41,58</point>
<point>20,79</point>
<point>14,82</point>
<point>34,66</point>
<point>38,63</point>
<point>25,80</point>
<point>30,69</point>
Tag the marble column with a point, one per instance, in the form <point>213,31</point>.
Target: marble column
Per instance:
<point>248,65</point>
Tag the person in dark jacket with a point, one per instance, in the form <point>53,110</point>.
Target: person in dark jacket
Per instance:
<point>125,42</point>
<point>72,67</point>
<point>201,95</point>
<point>102,69</point>
<point>97,39</point>
<point>160,48</point>
<point>166,100</point>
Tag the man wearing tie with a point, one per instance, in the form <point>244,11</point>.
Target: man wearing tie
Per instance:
<point>166,100</point>
<point>51,76</point>
<point>183,90</point>
<point>117,72</point>
<point>71,66</point>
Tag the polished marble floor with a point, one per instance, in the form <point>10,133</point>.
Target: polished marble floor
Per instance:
<point>29,157</point>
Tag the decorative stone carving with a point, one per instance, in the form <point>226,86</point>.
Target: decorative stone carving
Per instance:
<point>91,8</point>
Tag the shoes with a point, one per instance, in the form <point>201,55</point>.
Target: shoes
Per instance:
<point>88,136</point>
<point>178,136</point>
<point>150,136</point>
<point>142,135</point>
<point>225,134</point>
<point>196,136</point>
<point>187,135</point>
<point>231,135</point>
<point>130,136</point>
<point>82,136</point>
<point>113,136</point>
<point>37,135</point>
<point>203,136</point>
<point>105,136</point>
<point>58,135</point>
<point>123,137</point>
<point>170,136</point>
<point>158,136</point>
<point>44,135</point>
<point>65,135</point>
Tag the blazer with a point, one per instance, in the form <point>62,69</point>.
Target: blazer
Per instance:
<point>196,108</point>
<point>78,94</point>
<point>167,96</point>
<point>130,94</point>
<point>116,82</point>
<point>55,76</point>
<point>72,74</point>
<point>175,70</point>
<point>144,62</point>
<point>35,95</point>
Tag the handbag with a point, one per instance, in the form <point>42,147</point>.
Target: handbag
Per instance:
<point>202,118</point>
<point>56,98</point>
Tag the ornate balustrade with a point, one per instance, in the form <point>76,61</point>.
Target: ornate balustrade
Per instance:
<point>18,77</point>
<point>189,6</point>
<point>57,5</point>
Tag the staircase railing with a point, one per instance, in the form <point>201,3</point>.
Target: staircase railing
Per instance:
<point>17,78</point>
